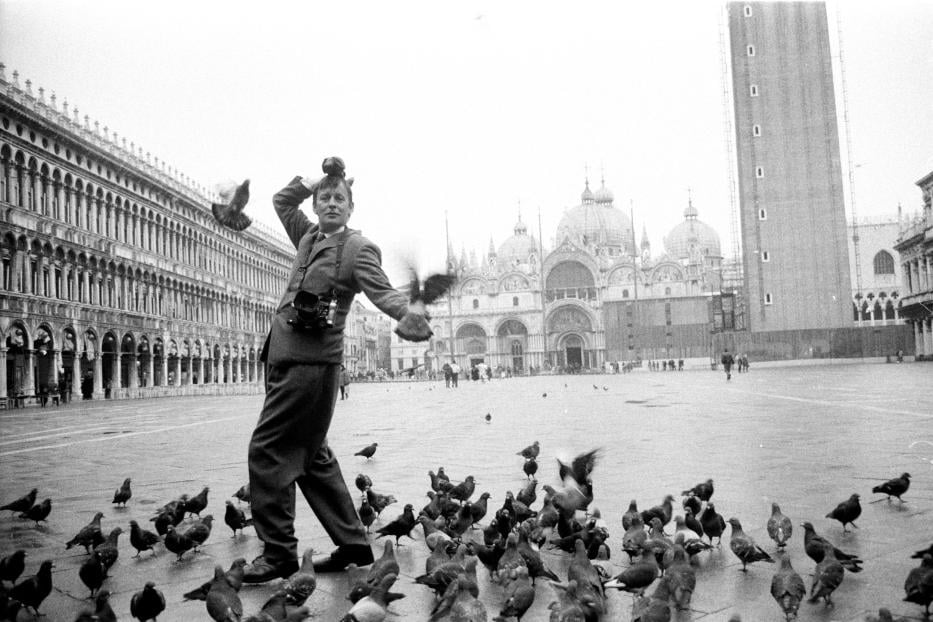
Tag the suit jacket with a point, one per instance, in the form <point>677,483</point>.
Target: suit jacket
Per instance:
<point>315,271</point>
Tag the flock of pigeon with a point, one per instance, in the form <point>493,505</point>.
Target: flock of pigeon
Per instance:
<point>660,573</point>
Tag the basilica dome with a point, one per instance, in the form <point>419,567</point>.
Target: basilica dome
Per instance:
<point>692,238</point>
<point>518,248</point>
<point>596,221</point>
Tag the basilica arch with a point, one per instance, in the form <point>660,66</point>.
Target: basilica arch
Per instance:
<point>572,335</point>
<point>472,339</point>
<point>512,344</point>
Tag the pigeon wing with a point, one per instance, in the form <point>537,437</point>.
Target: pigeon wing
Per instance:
<point>436,286</point>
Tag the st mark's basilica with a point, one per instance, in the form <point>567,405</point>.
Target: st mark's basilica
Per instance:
<point>599,296</point>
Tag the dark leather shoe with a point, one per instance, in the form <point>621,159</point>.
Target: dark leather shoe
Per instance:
<point>343,556</point>
<point>262,570</point>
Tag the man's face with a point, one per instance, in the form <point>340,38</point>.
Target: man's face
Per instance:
<point>333,207</point>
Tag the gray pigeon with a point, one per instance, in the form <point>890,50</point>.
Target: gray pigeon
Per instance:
<point>744,546</point>
<point>519,596</point>
<point>826,577</point>
<point>299,587</point>
<point>788,589</point>
<point>222,601</point>
<point>780,527</point>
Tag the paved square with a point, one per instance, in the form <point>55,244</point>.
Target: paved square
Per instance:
<point>806,437</point>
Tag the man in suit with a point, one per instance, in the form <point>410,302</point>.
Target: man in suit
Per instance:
<point>303,354</point>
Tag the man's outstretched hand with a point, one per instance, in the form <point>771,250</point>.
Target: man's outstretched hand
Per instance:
<point>414,324</point>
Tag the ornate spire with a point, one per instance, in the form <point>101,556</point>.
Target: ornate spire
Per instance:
<point>645,244</point>
<point>492,248</point>
<point>691,212</point>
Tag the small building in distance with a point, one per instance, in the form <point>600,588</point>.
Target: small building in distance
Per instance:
<point>915,247</point>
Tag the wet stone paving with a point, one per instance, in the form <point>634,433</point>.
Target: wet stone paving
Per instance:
<point>805,437</point>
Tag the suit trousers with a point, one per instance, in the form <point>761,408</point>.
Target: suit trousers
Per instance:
<point>289,447</point>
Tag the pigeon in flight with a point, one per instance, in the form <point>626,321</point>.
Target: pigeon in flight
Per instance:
<point>230,212</point>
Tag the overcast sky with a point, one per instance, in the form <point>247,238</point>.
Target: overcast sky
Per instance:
<point>473,108</point>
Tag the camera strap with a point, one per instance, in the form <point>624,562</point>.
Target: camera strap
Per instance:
<point>302,270</point>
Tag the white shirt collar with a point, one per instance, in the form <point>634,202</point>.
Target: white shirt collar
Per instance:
<point>340,230</point>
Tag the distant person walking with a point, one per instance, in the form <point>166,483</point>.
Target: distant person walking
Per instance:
<point>727,361</point>
<point>455,374</point>
<point>344,383</point>
<point>447,374</point>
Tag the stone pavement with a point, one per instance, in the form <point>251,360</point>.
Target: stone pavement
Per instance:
<point>805,437</point>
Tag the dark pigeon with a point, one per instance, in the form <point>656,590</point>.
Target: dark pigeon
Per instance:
<point>148,603</point>
<point>142,540</point>
<point>230,212</point>
<point>39,512</point>
<point>12,566</point>
<point>23,503</point>
<point>813,545</point>
<point>197,503</point>
<point>31,591</point>
<point>123,493</point>
<point>894,487</point>
<point>92,573</point>
<point>368,451</point>
<point>401,526</point>
<point>235,518</point>
<point>847,511</point>
<point>703,490</point>
<point>89,536</point>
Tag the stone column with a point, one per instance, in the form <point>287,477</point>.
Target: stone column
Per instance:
<point>76,374</point>
<point>69,205</point>
<point>3,387</point>
<point>30,379</point>
<point>116,374</point>
<point>56,365</point>
<point>228,368</point>
<point>150,369</point>
<point>200,370</point>
<point>58,200</point>
<point>928,337</point>
<point>27,269</point>
<point>134,371</point>
<point>163,381</point>
<point>98,376</point>
<point>918,337</point>
<point>177,371</point>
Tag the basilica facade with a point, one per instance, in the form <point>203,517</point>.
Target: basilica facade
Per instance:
<point>597,297</point>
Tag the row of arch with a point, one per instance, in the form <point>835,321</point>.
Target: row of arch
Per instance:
<point>29,183</point>
<point>49,359</point>
<point>570,334</point>
<point>31,266</point>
